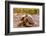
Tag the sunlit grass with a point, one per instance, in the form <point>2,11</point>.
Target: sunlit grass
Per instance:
<point>26,11</point>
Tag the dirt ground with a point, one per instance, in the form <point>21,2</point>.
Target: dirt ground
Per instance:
<point>31,18</point>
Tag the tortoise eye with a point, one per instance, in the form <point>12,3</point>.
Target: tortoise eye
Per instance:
<point>22,18</point>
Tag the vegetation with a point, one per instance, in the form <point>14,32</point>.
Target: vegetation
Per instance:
<point>26,10</point>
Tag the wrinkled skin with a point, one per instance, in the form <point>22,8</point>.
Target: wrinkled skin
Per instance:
<point>25,22</point>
